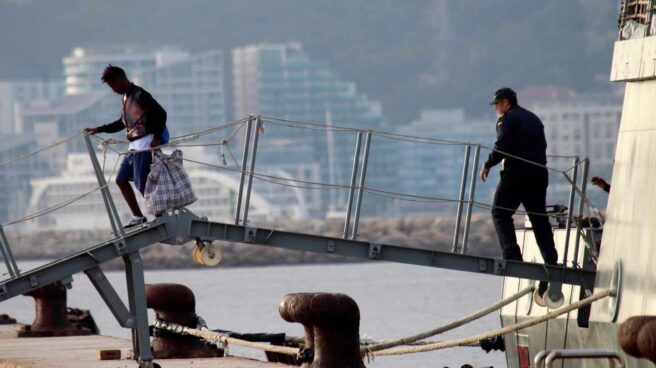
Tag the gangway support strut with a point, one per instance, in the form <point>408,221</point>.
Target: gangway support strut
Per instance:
<point>110,297</point>
<point>137,298</point>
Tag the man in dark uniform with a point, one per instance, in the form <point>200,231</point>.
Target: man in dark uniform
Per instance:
<point>520,143</point>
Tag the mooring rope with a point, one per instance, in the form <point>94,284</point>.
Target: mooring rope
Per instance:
<point>502,331</point>
<point>450,326</point>
<point>223,339</point>
<point>368,351</point>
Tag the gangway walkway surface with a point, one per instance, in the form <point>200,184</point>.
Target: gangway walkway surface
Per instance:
<point>178,227</point>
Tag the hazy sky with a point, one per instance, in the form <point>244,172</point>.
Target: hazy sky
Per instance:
<point>410,55</point>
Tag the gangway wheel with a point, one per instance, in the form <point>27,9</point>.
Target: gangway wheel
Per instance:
<point>554,302</point>
<point>206,254</point>
<point>552,298</point>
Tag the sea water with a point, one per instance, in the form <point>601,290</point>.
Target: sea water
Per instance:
<point>395,300</point>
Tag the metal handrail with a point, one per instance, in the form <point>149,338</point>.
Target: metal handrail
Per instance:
<point>545,359</point>
<point>470,202</point>
<point>363,175</point>
<point>570,206</point>
<point>354,174</point>
<point>7,255</point>
<point>461,197</point>
<point>465,207</point>
<point>242,174</point>
<point>112,213</point>
<point>251,169</point>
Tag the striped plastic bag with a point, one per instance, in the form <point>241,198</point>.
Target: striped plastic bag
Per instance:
<point>168,186</point>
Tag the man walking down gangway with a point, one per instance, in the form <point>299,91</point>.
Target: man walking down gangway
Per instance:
<point>521,148</point>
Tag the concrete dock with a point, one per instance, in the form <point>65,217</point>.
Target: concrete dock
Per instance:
<point>82,352</point>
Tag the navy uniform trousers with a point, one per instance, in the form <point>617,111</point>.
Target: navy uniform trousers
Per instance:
<point>527,187</point>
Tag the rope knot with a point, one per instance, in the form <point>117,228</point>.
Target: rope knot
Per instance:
<point>305,355</point>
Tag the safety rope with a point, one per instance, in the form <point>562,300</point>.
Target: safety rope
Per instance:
<point>180,141</point>
<point>104,145</point>
<point>396,136</point>
<point>69,201</point>
<point>422,140</point>
<point>502,331</point>
<point>307,125</point>
<point>305,184</point>
<point>53,208</point>
<point>30,154</point>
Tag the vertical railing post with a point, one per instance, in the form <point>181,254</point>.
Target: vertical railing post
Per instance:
<point>570,210</point>
<point>114,218</point>
<point>461,197</point>
<point>623,15</point>
<point>354,173</point>
<point>470,202</point>
<point>251,169</point>
<point>582,198</point>
<point>363,174</point>
<point>650,7</point>
<point>7,255</point>
<point>242,169</point>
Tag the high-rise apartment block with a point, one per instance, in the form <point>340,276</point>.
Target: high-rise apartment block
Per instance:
<point>434,168</point>
<point>282,81</point>
<point>15,175</point>
<point>584,126</point>
<point>189,86</point>
<point>13,93</point>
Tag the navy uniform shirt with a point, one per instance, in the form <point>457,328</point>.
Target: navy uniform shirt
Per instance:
<point>519,133</point>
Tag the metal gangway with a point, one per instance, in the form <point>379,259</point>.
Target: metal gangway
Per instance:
<point>177,227</point>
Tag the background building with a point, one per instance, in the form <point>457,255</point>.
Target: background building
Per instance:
<point>15,177</point>
<point>435,170</point>
<point>14,93</point>
<point>50,121</point>
<point>282,81</point>
<point>84,66</point>
<point>190,87</point>
<point>581,125</point>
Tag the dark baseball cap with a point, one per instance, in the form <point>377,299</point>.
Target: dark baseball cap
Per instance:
<point>501,93</point>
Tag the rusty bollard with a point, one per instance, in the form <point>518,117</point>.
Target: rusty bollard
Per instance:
<point>51,317</point>
<point>332,327</point>
<point>637,337</point>
<point>175,303</point>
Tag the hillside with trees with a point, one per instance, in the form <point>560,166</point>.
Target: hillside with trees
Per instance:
<point>410,55</point>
